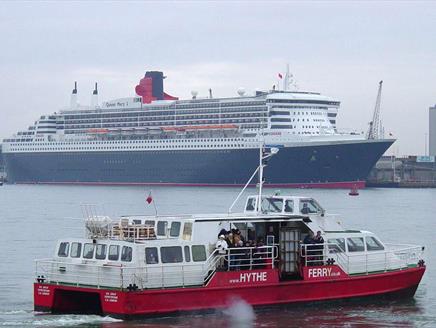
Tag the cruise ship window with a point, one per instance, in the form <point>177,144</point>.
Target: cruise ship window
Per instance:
<point>171,254</point>
<point>126,254</point>
<point>100,253</point>
<point>88,251</point>
<point>114,252</point>
<point>63,249</point>
<point>76,250</point>
<point>151,256</point>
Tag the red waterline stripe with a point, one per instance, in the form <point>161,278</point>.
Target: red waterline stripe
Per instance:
<point>326,185</point>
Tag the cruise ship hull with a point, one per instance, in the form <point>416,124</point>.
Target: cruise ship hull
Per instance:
<point>325,164</point>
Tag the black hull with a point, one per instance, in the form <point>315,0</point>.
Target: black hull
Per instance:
<point>328,164</point>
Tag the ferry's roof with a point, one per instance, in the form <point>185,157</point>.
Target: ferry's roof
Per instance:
<point>231,217</point>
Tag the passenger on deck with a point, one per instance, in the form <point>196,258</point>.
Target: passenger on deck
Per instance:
<point>319,249</point>
<point>241,237</point>
<point>308,250</point>
<point>229,239</point>
<point>318,238</point>
<point>259,254</point>
<point>221,246</point>
<point>222,232</point>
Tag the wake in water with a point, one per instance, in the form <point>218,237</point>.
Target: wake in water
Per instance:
<point>240,314</point>
<point>52,320</point>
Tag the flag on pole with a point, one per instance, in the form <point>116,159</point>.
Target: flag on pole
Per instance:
<point>149,199</point>
<point>280,76</point>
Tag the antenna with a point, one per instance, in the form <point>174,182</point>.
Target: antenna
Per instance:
<point>289,80</point>
<point>264,156</point>
<point>286,79</point>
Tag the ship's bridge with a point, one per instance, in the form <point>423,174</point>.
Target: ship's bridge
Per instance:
<point>287,205</point>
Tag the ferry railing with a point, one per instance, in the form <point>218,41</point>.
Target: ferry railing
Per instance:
<point>111,275</point>
<point>249,258</point>
<point>117,276</point>
<point>392,257</point>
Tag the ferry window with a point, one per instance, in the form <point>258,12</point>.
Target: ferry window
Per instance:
<point>114,252</point>
<point>76,249</point>
<point>63,249</point>
<point>126,254</point>
<point>272,204</point>
<point>336,245</point>
<point>187,254</point>
<point>251,204</point>
<point>373,244</point>
<point>88,251</point>
<point>198,253</point>
<point>175,229</point>
<point>151,256</point>
<point>161,228</point>
<point>171,254</point>
<point>308,207</point>
<point>187,231</point>
<point>100,253</point>
<point>289,206</point>
<point>355,244</point>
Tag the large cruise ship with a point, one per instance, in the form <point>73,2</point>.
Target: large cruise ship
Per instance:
<point>154,138</point>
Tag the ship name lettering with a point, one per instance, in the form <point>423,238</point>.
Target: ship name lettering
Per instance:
<point>252,277</point>
<point>322,272</point>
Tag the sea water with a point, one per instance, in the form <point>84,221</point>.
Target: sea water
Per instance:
<point>33,217</point>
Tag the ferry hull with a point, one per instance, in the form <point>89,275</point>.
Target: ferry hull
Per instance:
<point>69,299</point>
<point>333,165</point>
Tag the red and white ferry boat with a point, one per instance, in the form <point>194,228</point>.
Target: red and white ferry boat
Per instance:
<point>153,265</point>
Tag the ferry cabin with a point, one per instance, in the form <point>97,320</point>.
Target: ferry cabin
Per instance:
<point>144,253</point>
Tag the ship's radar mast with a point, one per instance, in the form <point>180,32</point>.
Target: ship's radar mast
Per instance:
<point>264,155</point>
<point>289,81</point>
<point>375,130</point>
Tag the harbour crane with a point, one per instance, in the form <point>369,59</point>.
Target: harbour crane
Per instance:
<point>375,128</point>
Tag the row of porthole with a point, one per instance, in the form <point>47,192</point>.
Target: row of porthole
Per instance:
<point>139,141</point>
<point>128,147</point>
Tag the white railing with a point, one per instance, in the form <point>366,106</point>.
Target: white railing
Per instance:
<point>393,257</point>
<point>120,277</point>
<point>153,276</point>
<point>248,258</point>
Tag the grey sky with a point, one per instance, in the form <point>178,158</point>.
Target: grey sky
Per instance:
<point>341,49</point>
